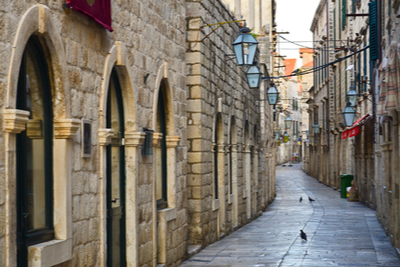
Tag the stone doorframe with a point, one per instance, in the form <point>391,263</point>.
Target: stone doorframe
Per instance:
<point>163,216</point>
<point>38,20</point>
<point>117,58</point>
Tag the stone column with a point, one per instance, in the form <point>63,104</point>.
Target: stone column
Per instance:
<point>169,214</point>
<point>64,132</point>
<point>104,138</point>
<point>255,180</point>
<point>14,123</point>
<point>235,193</point>
<point>221,189</point>
<point>247,179</point>
<point>156,143</point>
<point>132,141</point>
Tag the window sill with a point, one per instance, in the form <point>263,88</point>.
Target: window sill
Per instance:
<point>167,215</point>
<point>215,204</point>
<point>50,253</point>
<point>230,199</point>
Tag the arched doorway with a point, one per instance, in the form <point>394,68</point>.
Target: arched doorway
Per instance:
<point>115,171</point>
<point>34,153</point>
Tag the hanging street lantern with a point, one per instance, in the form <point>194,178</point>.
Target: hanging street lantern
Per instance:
<point>253,75</point>
<point>245,47</point>
<point>352,96</point>
<point>286,137</point>
<point>307,142</point>
<point>348,115</point>
<point>316,128</point>
<point>276,136</point>
<point>272,94</point>
<point>288,122</point>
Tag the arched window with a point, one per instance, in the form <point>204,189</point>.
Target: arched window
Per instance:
<point>34,153</point>
<point>161,153</point>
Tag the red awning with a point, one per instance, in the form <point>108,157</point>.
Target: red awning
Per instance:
<point>354,130</point>
<point>99,10</point>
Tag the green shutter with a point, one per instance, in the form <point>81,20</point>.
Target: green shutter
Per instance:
<point>344,10</point>
<point>373,32</point>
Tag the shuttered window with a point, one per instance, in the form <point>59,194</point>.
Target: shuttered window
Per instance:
<point>344,11</point>
<point>373,36</point>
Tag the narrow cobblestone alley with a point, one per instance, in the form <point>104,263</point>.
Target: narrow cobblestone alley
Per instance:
<point>340,233</point>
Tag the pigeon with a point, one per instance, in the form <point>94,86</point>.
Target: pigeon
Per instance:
<point>311,200</point>
<point>303,235</point>
<point>301,199</point>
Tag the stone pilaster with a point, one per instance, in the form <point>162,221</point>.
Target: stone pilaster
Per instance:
<point>134,138</point>
<point>156,139</point>
<point>105,136</point>
<point>66,128</point>
<point>172,141</point>
<point>15,120</point>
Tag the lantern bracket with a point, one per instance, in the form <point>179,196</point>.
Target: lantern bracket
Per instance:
<point>219,25</point>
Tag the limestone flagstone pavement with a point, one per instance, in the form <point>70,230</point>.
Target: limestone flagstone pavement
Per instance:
<point>340,233</point>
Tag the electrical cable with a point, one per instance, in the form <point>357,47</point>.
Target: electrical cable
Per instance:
<point>319,49</point>
<point>318,68</point>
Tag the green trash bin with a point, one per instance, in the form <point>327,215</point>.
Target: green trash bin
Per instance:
<point>345,181</point>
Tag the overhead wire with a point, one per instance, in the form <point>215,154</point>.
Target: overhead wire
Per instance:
<point>318,68</point>
<point>315,48</point>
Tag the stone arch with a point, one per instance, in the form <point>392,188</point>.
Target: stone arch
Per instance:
<point>162,80</point>
<point>117,58</point>
<point>162,216</point>
<point>37,20</point>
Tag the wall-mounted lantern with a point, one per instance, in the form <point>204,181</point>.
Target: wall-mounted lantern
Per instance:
<point>348,115</point>
<point>288,122</point>
<point>253,75</point>
<point>272,94</point>
<point>245,47</point>
<point>316,128</point>
<point>352,96</point>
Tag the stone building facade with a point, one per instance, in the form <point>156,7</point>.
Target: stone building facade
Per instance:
<point>98,160</point>
<point>229,149</point>
<point>363,55</point>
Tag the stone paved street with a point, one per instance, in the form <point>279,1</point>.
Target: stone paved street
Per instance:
<point>340,233</point>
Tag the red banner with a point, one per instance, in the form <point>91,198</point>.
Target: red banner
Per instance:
<point>351,132</point>
<point>345,134</point>
<point>354,131</point>
<point>99,10</point>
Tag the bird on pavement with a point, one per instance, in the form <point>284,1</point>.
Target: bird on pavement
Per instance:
<point>311,200</point>
<point>303,235</point>
<point>301,199</point>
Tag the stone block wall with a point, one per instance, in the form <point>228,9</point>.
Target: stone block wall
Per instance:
<point>218,92</point>
<point>153,34</point>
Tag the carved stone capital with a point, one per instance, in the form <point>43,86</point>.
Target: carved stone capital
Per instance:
<point>172,141</point>
<point>221,148</point>
<point>15,120</point>
<point>34,129</point>
<point>134,138</point>
<point>66,128</point>
<point>156,138</point>
<point>105,136</point>
<point>234,148</point>
<point>246,148</point>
